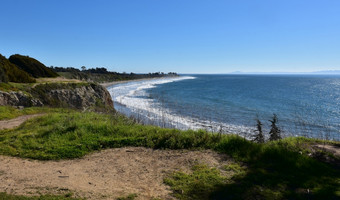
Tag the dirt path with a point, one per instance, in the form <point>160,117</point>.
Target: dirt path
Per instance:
<point>335,150</point>
<point>107,174</point>
<point>12,123</point>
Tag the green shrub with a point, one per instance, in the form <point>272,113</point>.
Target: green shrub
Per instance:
<point>12,73</point>
<point>3,76</point>
<point>32,66</point>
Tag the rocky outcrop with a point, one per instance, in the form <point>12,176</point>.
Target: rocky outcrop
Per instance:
<point>80,96</point>
<point>18,99</point>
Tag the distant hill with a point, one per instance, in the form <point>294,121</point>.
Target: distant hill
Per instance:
<point>328,72</point>
<point>101,75</point>
<point>10,72</point>
<point>32,66</point>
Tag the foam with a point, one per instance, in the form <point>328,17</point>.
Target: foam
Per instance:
<point>132,99</point>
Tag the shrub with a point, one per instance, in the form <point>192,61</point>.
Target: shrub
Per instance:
<point>3,76</point>
<point>32,66</point>
<point>12,73</point>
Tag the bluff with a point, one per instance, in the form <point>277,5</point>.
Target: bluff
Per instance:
<point>71,95</point>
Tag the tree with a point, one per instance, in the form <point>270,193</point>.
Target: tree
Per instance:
<point>83,68</point>
<point>258,137</point>
<point>275,132</point>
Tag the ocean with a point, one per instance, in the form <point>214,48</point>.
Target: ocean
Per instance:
<point>306,105</point>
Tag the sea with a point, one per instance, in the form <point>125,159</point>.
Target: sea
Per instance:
<point>306,105</point>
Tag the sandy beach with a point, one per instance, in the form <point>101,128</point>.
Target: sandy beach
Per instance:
<point>108,84</point>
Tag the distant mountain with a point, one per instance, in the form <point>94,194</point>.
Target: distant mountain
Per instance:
<point>328,72</point>
<point>316,72</point>
<point>32,66</point>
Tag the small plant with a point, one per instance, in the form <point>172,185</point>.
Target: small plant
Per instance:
<point>259,137</point>
<point>275,132</point>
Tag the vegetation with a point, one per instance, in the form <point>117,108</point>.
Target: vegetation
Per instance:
<point>3,76</point>
<point>10,72</point>
<point>32,66</point>
<point>101,75</point>
<point>197,185</point>
<point>279,169</point>
<point>8,112</point>
<point>275,132</point>
<point>259,137</point>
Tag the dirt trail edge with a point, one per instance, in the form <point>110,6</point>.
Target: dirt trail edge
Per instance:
<point>12,123</point>
<point>107,174</point>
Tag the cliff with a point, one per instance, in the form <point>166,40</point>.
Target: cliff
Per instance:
<point>70,95</point>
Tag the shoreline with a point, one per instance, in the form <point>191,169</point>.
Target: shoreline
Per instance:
<point>109,84</point>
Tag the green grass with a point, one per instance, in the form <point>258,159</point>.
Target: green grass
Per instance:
<point>4,196</point>
<point>11,86</point>
<point>9,112</point>
<point>197,185</point>
<point>274,170</point>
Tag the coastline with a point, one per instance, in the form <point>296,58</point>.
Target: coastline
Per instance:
<point>108,84</point>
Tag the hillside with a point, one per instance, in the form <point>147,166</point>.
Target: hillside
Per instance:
<point>32,66</point>
<point>11,73</point>
<point>200,166</point>
<point>101,75</point>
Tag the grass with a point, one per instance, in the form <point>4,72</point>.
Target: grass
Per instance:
<point>274,170</point>
<point>11,86</point>
<point>9,112</point>
<point>5,196</point>
<point>197,185</point>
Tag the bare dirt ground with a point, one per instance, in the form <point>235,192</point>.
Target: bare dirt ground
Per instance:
<point>12,123</point>
<point>107,174</point>
<point>335,150</point>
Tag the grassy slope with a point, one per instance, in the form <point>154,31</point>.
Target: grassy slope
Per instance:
<point>8,112</point>
<point>275,170</point>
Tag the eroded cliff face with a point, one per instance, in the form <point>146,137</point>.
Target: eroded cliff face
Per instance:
<point>80,96</point>
<point>18,99</point>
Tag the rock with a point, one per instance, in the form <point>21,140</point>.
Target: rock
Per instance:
<point>18,99</point>
<point>84,97</point>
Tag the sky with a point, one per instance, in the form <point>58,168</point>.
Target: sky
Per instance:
<point>184,36</point>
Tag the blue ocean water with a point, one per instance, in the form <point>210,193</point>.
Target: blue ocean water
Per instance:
<point>307,105</point>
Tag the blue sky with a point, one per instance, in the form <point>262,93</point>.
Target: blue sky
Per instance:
<point>186,36</point>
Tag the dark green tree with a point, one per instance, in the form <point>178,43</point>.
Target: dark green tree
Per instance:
<point>32,66</point>
<point>275,132</point>
<point>3,76</point>
<point>13,73</point>
<point>258,137</point>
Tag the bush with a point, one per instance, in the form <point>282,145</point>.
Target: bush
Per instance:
<point>32,66</point>
<point>3,76</point>
<point>12,73</point>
